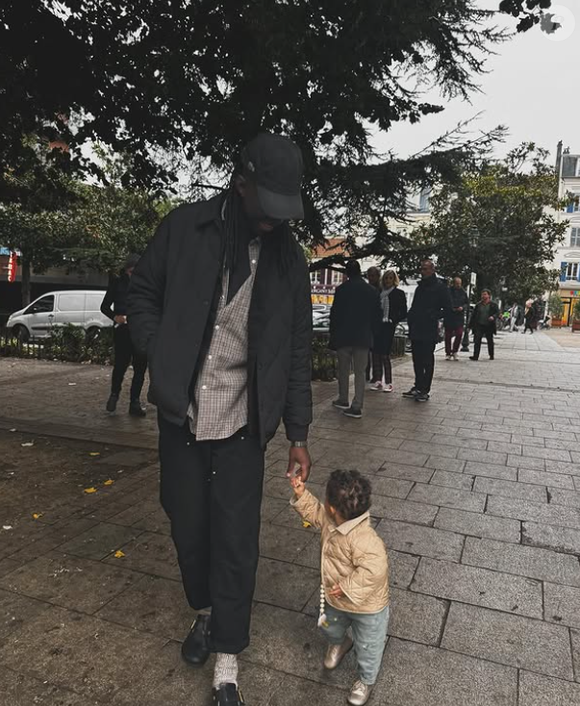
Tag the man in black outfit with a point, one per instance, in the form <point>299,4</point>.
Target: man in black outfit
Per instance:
<point>221,303</point>
<point>114,306</point>
<point>431,302</point>
<point>484,323</point>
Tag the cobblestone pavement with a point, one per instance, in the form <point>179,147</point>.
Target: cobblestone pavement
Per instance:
<point>477,495</point>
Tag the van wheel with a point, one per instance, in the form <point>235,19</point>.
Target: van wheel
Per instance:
<point>21,333</point>
<point>93,333</point>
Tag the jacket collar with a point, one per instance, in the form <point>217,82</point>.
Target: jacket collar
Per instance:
<point>348,526</point>
<point>210,211</point>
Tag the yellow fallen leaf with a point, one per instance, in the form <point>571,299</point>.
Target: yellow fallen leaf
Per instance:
<point>306,524</point>
<point>109,482</point>
<point>119,554</point>
<point>95,453</point>
<point>90,490</point>
<point>36,515</point>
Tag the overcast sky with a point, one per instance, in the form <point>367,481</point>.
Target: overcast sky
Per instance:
<point>533,88</point>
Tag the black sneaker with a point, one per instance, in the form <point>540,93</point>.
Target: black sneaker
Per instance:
<point>195,648</point>
<point>135,409</point>
<point>227,695</point>
<point>412,393</point>
<point>353,412</point>
<point>112,403</point>
<point>472,357</point>
<point>422,397</point>
<point>340,405</point>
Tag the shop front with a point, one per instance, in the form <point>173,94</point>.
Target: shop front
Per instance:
<point>569,299</point>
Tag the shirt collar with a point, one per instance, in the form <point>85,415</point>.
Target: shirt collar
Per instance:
<point>349,525</point>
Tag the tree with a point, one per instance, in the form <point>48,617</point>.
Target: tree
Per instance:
<point>200,77</point>
<point>498,223</point>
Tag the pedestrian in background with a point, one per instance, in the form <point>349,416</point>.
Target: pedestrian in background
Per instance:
<point>354,319</point>
<point>456,319</point>
<point>514,316</point>
<point>114,306</point>
<point>394,310</point>
<point>375,363</point>
<point>484,324</point>
<point>531,316</point>
<point>431,303</point>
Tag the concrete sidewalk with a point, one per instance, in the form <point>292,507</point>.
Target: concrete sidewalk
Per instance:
<point>477,495</point>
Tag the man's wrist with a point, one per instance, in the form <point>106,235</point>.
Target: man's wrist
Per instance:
<point>299,444</point>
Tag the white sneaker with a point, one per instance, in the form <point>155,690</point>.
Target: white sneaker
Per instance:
<point>388,388</point>
<point>376,387</point>
<point>455,356</point>
<point>448,357</point>
<point>359,694</point>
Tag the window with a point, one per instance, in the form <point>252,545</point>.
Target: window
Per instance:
<point>42,306</point>
<point>73,301</point>
<point>574,203</point>
<point>94,301</point>
<point>336,278</point>
<point>572,271</point>
<point>575,238</point>
<point>315,277</point>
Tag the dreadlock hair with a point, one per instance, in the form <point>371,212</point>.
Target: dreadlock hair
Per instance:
<point>281,239</point>
<point>349,493</point>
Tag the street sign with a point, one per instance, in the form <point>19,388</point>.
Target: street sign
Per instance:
<point>473,279</point>
<point>12,263</point>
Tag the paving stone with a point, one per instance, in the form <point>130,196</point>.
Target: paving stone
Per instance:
<point>562,604</point>
<point>391,487</point>
<point>560,539</point>
<point>19,689</point>
<point>402,568</point>
<point>482,456</point>
<point>418,675</point>
<point>510,489</point>
<point>405,458</point>
<point>424,541</point>
<point>478,525</point>
<point>459,441</point>
<point>490,589</point>
<point>98,542</point>
<point>491,471</point>
<point>414,474</point>
<point>445,464</point>
<point>70,582</point>
<point>555,480</point>
<point>575,635</point>
<point>509,639</point>
<point>416,617</point>
<point>334,454</point>
<point>283,543</point>
<point>461,481</point>
<point>157,521</point>
<point>504,447</point>
<point>554,454</point>
<point>285,585</point>
<point>135,513</point>
<point>89,656</point>
<point>571,469</point>
<point>403,510</point>
<point>448,497</point>
<point>15,610</point>
<point>7,566</point>
<point>430,449</point>
<point>150,553</point>
<point>522,560</point>
<point>570,498</point>
<point>310,555</point>
<point>538,464</point>
<point>534,512</point>
<point>536,690</point>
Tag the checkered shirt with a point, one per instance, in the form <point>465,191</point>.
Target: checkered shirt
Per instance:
<point>220,405</point>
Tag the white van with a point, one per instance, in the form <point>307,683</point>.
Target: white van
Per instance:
<point>78,307</point>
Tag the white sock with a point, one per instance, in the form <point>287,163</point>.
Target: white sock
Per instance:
<point>225,670</point>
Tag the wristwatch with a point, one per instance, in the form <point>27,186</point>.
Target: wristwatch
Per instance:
<point>299,444</point>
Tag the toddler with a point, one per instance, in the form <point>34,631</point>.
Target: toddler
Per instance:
<point>355,575</point>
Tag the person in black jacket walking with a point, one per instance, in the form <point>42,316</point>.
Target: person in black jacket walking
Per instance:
<point>354,317</point>
<point>114,306</point>
<point>394,310</point>
<point>484,323</point>
<point>456,319</point>
<point>221,303</point>
<point>430,303</point>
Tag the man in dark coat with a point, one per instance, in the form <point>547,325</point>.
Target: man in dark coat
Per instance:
<point>221,303</point>
<point>431,303</point>
<point>484,323</point>
<point>354,318</point>
<point>456,319</point>
<point>114,306</point>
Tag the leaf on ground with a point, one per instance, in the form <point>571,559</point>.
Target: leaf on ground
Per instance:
<point>72,384</point>
<point>37,515</point>
<point>119,554</point>
<point>28,443</point>
<point>306,524</point>
<point>109,482</point>
<point>6,527</point>
<point>95,453</point>
<point>12,430</point>
<point>90,490</point>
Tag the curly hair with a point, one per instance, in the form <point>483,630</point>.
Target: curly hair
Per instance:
<point>349,493</point>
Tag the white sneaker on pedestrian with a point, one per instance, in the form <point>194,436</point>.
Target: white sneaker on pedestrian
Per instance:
<point>376,387</point>
<point>359,694</point>
<point>448,357</point>
<point>388,388</point>
<point>455,356</point>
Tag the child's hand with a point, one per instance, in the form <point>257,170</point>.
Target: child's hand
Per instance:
<point>298,484</point>
<point>336,592</point>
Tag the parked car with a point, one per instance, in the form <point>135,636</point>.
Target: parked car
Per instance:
<point>77,307</point>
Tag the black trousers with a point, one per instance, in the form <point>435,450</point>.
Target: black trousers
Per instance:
<point>478,335</point>
<point>125,354</point>
<point>212,494</point>
<point>424,364</point>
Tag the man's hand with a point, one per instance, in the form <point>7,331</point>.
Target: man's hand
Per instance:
<point>120,319</point>
<point>459,308</point>
<point>336,592</point>
<point>299,457</point>
<point>491,318</point>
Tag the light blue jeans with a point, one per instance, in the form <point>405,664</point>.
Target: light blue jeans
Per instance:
<point>369,634</point>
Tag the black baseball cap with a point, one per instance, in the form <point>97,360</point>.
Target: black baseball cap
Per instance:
<point>275,165</point>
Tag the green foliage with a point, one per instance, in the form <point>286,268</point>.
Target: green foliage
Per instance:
<point>496,224</point>
<point>577,310</point>
<point>68,344</point>
<point>556,305</point>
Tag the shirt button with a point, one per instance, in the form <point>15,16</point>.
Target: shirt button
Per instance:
<point>210,357</point>
<point>204,387</point>
<point>216,328</point>
<point>253,262</point>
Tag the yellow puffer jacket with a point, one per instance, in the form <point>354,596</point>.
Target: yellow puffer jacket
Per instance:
<point>352,556</point>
